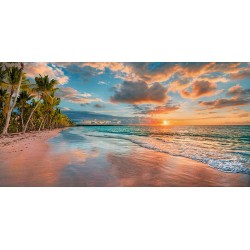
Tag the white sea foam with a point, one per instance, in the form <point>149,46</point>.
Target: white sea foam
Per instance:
<point>202,151</point>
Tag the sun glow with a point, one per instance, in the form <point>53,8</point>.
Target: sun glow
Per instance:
<point>165,123</point>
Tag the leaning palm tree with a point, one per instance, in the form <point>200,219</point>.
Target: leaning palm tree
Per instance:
<point>44,88</point>
<point>13,79</point>
<point>22,104</point>
<point>51,112</point>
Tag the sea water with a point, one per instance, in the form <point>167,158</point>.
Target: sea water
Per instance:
<point>226,148</point>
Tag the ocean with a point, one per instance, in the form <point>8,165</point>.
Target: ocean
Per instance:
<point>225,148</point>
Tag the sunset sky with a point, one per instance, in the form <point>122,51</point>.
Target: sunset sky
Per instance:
<point>151,92</point>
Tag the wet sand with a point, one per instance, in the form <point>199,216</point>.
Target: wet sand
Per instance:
<point>24,159</point>
<point>50,158</point>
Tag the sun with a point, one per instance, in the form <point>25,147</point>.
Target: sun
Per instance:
<point>165,123</point>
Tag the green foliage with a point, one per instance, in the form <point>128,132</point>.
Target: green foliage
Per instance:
<point>36,107</point>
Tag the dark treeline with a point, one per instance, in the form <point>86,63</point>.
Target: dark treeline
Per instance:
<point>27,106</point>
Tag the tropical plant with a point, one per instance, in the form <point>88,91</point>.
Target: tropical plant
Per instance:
<point>12,80</point>
<point>22,104</point>
<point>25,106</point>
<point>43,88</point>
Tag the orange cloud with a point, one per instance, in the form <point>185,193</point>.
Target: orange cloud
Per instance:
<point>34,69</point>
<point>241,75</point>
<point>72,95</point>
<point>214,79</point>
<point>225,67</point>
<point>199,89</point>
<point>160,74</point>
<point>114,66</point>
<point>235,90</point>
<point>142,71</point>
<point>195,69</point>
<point>224,103</point>
<point>159,110</point>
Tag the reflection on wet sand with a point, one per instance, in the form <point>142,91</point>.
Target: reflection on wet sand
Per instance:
<point>157,169</point>
<point>131,165</point>
<point>31,161</point>
<point>39,167</point>
<point>105,162</point>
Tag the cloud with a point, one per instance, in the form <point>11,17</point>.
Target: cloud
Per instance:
<point>99,66</point>
<point>224,67</point>
<point>246,114</point>
<point>65,108</point>
<point>194,69</point>
<point>139,92</point>
<point>72,95</point>
<point>114,66</point>
<point>214,79</point>
<point>98,105</point>
<point>158,110</point>
<point>184,82</point>
<point>85,117</point>
<point>241,75</point>
<point>239,97</point>
<point>164,71</point>
<point>180,84</point>
<point>237,90</point>
<point>224,103</point>
<point>84,104</point>
<point>199,89</point>
<point>33,69</point>
<point>102,83</point>
<point>136,71</point>
<point>151,72</point>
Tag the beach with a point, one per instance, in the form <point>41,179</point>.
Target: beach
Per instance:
<point>61,158</point>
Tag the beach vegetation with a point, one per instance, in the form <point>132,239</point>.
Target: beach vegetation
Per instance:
<point>27,104</point>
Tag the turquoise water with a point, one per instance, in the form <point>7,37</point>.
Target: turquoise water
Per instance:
<point>226,148</point>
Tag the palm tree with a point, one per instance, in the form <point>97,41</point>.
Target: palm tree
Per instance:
<point>55,102</point>
<point>2,74</point>
<point>3,98</point>
<point>37,106</point>
<point>14,78</point>
<point>3,92</point>
<point>22,103</point>
<point>44,88</point>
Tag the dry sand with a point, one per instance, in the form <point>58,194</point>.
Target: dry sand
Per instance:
<point>14,143</point>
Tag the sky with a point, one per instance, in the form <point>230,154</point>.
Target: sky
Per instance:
<point>154,93</point>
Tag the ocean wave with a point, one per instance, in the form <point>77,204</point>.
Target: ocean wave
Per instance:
<point>223,161</point>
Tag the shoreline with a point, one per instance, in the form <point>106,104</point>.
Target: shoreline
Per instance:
<point>33,159</point>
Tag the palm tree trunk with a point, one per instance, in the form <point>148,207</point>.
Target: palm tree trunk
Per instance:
<point>32,124</point>
<point>32,112</point>
<point>7,123</point>
<point>22,119</point>
<point>41,123</point>
<point>50,122</point>
<point>44,123</point>
<point>6,106</point>
<point>8,115</point>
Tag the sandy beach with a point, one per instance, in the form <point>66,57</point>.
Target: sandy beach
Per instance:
<point>14,143</point>
<point>49,158</point>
